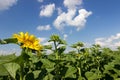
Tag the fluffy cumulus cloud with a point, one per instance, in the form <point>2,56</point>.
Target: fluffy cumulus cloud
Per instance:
<point>41,28</point>
<point>112,41</point>
<point>72,4</point>
<point>73,17</point>
<point>6,4</point>
<point>59,10</point>
<point>47,10</point>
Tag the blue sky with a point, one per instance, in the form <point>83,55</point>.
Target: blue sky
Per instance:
<point>89,21</point>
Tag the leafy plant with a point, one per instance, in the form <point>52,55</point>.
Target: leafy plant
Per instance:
<point>94,63</point>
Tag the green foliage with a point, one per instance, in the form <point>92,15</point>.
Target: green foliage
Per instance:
<point>7,58</point>
<point>94,63</point>
<point>3,71</point>
<point>9,40</point>
<point>70,72</point>
<point>12,69</point>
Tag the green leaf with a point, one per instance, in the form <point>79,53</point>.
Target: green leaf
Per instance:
<point>36,73</point>
<point>7,58</point>
<point>48,47</point>
<point>48,77</point>
<point>70,57</point>
<point>117,79</point>
<point>34,59</point>
<point>74,46</point>
<point>54,37</point>
<point>78,44</point>
<point>50,70</point>
<point>61,49</point>
<point>3,42</point>
<point>91,76</point>
<point>3,71</point>
<point>24,57</point>
<point>70,72</point>
<point>12,68</point>
<point>10,40</point>
<point>3,60</point>
<point>108,67</point>
<point>81,78</point>
<point>62,42</point>
<point>42,74</point>
<point>47,63</point>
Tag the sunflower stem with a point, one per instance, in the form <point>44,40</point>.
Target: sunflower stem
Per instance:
<point>21,72</point>
<point>56,53</point>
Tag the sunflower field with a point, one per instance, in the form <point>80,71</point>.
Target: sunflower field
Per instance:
<point>35,63</point>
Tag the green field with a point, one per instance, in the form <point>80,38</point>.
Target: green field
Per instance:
<point>93,63</point>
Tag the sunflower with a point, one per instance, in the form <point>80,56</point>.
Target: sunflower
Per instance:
<point>28,41</point>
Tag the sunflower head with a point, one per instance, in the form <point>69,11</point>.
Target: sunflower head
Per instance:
<point>28,41</point>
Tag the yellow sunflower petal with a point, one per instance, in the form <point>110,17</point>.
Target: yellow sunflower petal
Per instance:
<point>28,41</point>
<point>15,36</point>
<point>26,36</point>
<point>31,37</point>
<point>22,35</point>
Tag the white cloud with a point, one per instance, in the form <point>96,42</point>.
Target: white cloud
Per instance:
<point>42,39</point>
<point>72,4</point>
<point>111,42</point>
<point>6,4</point>
<point>47,10</point>
<point>117,44</point>
<point>80,20</point>
<point>69,19</point>
<point>101,41</point>
<point>59,10</point>
<point>47,43</point>
<point>10,49</point>
<point>63,19</point>
<point>65,36</point>
<point>41,28</point>
<point>73,17</point>
<point>40,0</point>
